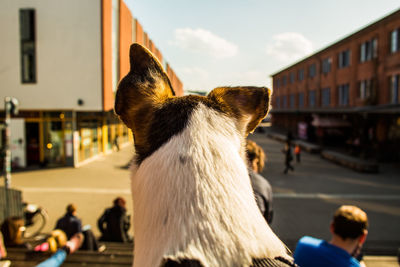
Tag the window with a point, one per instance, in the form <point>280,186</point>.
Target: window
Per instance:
<point>291,77</point>
<point>369,50</point>
<point>395,40</point>
<point>311,99</point>
<point>326,65</point>
<point>365,89</point>
<point>277,102</point>
<point>284,80</point>
<point>394,89</point>
<point>277,82</point>
<point>301,74</point>
<point>312,70</point>
<point>344,59</point>
<point>343,94</point>
<point>326,97</point>
<point>28,54</point>
<point>292,100</point>
<point>284,102</point>
<point>301,100</point>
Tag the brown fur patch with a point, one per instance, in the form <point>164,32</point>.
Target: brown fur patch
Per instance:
<point>244,101</point>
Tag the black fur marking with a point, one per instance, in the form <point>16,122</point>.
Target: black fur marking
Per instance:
<point>169,120</point>
<point>277,262</point>
<point>182,263</point>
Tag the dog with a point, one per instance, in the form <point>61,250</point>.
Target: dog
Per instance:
<point>193,201</point>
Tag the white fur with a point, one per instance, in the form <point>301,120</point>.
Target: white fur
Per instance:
<point>193,199</point>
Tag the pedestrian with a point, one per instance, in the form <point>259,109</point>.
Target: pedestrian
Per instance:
<point>12,230</point>
<point>3,250</point>
<point>72,225</point>
<point>261,186</point>
<point>349,231</point>
<point>288,158</point>
<point>114,223</point>
<point>116,142</point>
<point>297,152</point>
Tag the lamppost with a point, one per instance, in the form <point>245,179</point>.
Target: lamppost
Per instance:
<point>10,108</point>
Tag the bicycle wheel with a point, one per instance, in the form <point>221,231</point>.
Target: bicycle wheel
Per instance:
<point>36,223</point>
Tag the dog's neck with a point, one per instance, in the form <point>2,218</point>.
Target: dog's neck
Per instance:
<point>193,199</point>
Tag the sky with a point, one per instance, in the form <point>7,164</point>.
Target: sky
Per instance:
<point>211,43</point>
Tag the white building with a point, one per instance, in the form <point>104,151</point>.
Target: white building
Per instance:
<point>62,60</point>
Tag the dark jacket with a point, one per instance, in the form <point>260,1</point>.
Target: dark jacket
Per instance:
<point>70,224</point>
<point>263,194</point>
<point>114,225</point>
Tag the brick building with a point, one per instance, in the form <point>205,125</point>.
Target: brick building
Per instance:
<point>62,60</point>
<point>346,95</point>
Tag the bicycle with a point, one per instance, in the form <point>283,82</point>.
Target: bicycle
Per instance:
<point>35,218</point>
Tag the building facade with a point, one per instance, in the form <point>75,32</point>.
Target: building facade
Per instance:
<point>347,94</point>
<point>63,60</point>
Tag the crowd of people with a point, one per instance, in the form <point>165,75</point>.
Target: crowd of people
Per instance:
<point>349,226</point>
<point>69,235</point>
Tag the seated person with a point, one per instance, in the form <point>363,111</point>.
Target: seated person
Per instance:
<point>114,223</point>
<point>12,230</point>
<point>349,231</point>
<point>69,223</point>
<point>261,187</point>
<point>72,225</point>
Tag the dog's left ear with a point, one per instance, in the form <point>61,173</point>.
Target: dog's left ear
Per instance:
<point>142,90</point>
<point>249,105</point>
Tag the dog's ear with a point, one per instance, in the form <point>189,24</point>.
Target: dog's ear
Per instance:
<point>249,105</point>
<point>145,87</point>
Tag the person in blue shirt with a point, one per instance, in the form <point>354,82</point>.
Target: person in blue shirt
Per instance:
<point>349,231</point>
<point>70,223</point>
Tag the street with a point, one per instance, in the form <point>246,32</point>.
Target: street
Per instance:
<point>304,200</point>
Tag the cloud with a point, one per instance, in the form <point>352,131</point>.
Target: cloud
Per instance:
<point>195,78</point>
<point>205,42</point>
<point>289,46</point>
<point>250,78</point>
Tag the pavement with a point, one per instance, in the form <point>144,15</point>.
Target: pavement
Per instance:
<point>304,200</point>
<point>92,187</point>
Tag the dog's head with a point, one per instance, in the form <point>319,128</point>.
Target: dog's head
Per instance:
<point>145,102</point>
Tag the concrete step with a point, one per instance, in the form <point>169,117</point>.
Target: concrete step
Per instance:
<point>351,162</point>
<point>24,257</point>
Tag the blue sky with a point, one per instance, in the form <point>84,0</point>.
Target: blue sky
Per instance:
<point>242,42</point>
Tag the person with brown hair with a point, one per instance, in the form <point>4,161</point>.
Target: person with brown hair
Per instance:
<point>349,231</point>
<point>70,223</point>
<point>261,187</point>
<point>114,223</point>
<point>12,229</point>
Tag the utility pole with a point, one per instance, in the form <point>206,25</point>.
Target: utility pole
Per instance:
<point>10,107</point>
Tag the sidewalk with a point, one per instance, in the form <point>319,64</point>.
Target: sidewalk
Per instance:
<point>91,187</point>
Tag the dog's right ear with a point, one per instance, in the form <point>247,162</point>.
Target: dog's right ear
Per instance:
<point>145,87</point>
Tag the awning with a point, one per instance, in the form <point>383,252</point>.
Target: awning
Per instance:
<point>327,122</point>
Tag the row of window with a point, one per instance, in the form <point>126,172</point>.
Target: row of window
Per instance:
<point>368,51</point>
<point>312,99</point>
<point>343,91</point>
<point>365,91</point>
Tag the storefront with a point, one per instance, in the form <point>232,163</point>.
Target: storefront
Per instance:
<point>61,138</point>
